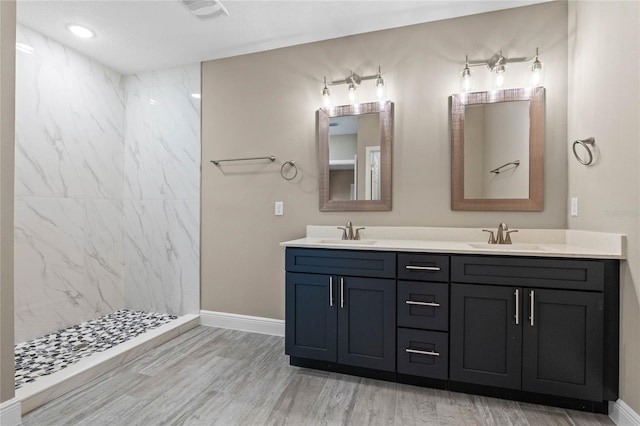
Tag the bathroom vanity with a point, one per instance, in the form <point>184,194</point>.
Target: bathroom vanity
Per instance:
<point>531,322</point>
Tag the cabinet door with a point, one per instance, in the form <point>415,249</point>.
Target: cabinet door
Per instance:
<point>563,340</point>
<point>485,335</point>
<point>311,316</point>
<point>367,323</point>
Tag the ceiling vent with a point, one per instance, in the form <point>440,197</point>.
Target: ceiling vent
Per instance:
<point>205,9</point>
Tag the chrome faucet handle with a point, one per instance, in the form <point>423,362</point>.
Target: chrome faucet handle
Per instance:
<point>507,240</point>
<point>492,239</point>
<point>357,237</point>
<point>344,233</point>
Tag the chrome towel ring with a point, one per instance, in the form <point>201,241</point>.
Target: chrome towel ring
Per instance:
<point>586,144</point>
<point>286,175</point>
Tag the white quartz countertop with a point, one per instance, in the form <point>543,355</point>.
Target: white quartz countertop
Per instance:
<point>526,242</point>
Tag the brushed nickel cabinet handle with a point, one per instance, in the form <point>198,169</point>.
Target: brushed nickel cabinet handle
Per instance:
<point>532,297</point>
<point>423,268</point>
<point>331,291</point>
<point>432,304</point>
<point>415,351</point>
<point>517,294</point>
<point>341,292</point>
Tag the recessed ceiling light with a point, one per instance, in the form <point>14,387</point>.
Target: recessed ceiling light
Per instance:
<point>196,95</point>
<point>24,48</point>
<point>80,31</point>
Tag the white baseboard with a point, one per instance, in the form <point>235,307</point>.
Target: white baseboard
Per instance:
<point>260,325</point>
<point>623,415</point>
<point>10,413</point>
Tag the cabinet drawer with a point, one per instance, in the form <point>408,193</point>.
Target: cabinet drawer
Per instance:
<point>423,267</point>
<point>342,262</point>
<point>423,353</point>
<point>529,272</point>
<point>423,305</point>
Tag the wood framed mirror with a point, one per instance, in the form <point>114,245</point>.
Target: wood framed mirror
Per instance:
<point>354,144</point>
<point>497,150</point>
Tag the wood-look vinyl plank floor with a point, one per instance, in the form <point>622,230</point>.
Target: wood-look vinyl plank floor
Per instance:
<point>211,376</point>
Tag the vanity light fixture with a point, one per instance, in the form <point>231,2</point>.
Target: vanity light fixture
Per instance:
<point>497,65</point>
<point>352,82</point>
<point>80,31</point>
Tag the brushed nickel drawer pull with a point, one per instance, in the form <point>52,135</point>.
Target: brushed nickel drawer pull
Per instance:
<point>415,351</point>
<point>331,291</point>
<point>423,268</point>
<point>432,304</point>
<point>532,297</point>
<point>341,292</point>
<point>517,294</point>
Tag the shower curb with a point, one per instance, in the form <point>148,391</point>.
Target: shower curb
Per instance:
<point>47,388</point>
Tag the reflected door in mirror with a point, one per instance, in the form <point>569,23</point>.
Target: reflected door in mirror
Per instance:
<point>354,146</point>
<point>353,140</point>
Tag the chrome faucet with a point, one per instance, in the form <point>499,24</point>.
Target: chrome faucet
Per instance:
<point>348,233</point>
<point>503,234</point>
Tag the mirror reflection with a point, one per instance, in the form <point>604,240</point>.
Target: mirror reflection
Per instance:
<point>354,147</point>
<point>354,157</point>
<point>496,150</point>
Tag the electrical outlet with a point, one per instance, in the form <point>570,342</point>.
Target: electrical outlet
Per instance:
<point>574,206</point>
<point>279,208</point>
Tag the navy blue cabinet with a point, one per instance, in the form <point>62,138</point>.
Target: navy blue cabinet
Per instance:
<point>486,336</point>
<point>539,329</point>
<point>550,339</point>
<point>346,317</point>
<point>311,323</point>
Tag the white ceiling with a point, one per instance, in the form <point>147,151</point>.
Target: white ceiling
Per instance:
<point>135,36</point>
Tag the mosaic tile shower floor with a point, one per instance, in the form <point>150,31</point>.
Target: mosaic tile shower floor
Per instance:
<point>51,353</point>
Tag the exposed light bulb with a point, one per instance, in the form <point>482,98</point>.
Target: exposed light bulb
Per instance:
<point>379,86</point>
<point>352,93</point>
<point>499,77</point>
<point>537,72</point>
<point>326,96</point>
<point>467,81</point>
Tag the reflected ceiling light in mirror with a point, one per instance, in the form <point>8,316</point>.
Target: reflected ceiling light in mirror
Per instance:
<point>80,31</point>
<point>497,65</point>
<point>196,95</point>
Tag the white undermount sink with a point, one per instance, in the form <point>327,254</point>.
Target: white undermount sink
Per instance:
<point>507,247</point>
<point>338,241</point>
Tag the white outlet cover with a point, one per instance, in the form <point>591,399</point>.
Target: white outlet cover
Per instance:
<point>279,208</point>
<point>574,206</point>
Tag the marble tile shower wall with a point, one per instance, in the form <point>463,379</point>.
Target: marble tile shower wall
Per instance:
<point>68,190</point>
<point>91,237</point>
<point>162,191</point>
